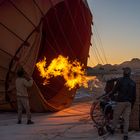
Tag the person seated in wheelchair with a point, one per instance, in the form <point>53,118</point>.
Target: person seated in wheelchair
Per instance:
<point>106,102</point>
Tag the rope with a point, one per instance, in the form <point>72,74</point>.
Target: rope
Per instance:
<point>92,62</point>
<point>4,68</point>
<point>95,46</point>
<point>47,25</point>
<point>61,28</point>
<point>86,25</point>
<point>9,30</point>
<point>55,41</point>
<point>22,13</point>
<point>67,6</point>
<point>39,8</point>
<point>83,15</point>
<point>102,50</point>
<point>100,42</point>
<point>91,59</point>
<point>96,56</point>
<point>6,52</point>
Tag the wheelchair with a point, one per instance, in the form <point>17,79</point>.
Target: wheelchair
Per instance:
<point>101,113</point>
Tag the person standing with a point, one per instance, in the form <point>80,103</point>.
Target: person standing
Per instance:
<point>126,96</point>
<point>22,83</point>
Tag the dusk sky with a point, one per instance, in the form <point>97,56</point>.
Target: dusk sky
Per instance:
<point>118,24</point>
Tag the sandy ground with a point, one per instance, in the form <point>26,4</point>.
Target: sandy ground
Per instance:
<point>73,123</point>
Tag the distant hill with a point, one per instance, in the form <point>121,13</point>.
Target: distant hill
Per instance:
<point>134,64</point>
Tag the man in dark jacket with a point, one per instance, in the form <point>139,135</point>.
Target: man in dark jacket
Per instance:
<point>126,95</point>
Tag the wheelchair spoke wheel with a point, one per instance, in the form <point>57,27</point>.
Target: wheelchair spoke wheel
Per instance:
<point>97,114</point>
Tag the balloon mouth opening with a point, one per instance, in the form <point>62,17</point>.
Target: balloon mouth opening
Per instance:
<point>61,37</point>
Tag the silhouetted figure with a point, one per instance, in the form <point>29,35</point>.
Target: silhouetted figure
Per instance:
<point>126,95</point>
<point>22,83</point>
<point>108,88</point>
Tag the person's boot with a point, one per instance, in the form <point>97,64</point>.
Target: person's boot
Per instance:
<point>19,122</point>
<point>110,130</point>
<point>122,127</point>
<point>125,138</point>
<point>30,122</point>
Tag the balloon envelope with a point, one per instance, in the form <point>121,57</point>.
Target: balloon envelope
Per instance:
<point>30,30</point>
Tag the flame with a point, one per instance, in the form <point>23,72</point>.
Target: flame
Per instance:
<point>72,72</point>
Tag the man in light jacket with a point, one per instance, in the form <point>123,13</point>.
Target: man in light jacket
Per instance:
<point>22,83</point>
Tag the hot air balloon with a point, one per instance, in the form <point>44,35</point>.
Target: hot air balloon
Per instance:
<point>32,29</point>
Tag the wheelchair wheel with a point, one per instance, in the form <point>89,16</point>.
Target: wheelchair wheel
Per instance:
<point>101,131</point>
<point>108,128</point>
<point>97,115</point>
<point>121,127</point>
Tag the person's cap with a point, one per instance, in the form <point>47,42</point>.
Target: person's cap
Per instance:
<point>127,70</point>
<point>20,71</point>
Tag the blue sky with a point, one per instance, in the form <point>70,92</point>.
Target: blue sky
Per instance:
<point>118,24</point>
